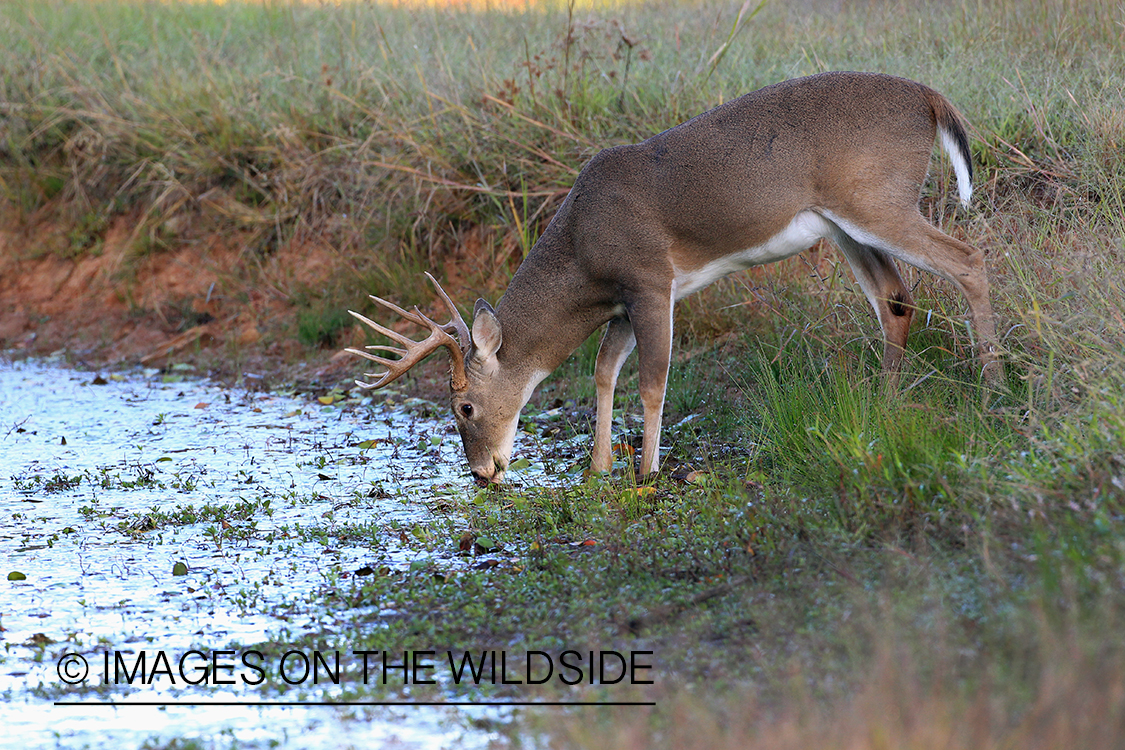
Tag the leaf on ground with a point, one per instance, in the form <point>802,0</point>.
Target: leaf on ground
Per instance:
<point>180,569</point>
<point>484,545</point>
<point>15,575</point>
<point>367,570</point>
<point>636,493</point>
<point>624,449</point>
<point>697,477</point>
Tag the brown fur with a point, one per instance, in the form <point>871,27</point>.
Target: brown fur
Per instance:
<point>841,155</point>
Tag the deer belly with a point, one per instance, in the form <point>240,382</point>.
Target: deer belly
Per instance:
<point>802,232</point>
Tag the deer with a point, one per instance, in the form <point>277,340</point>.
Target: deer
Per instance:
<point>839,156</point>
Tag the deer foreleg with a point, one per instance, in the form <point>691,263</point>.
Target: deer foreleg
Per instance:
<point>617,343</point>
<point>652,326</point>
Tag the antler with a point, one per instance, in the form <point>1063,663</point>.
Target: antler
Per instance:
<point>456,323</point>
<point>415,351</point>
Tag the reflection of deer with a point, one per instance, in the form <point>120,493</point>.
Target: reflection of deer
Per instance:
<point>835,155</point>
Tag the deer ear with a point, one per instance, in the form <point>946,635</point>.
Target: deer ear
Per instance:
<point>486,331</point>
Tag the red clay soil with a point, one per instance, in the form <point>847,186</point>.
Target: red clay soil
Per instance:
<point>110,307</point>
<point>208,301</point>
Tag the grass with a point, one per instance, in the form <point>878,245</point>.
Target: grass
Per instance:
<point>851,568</point>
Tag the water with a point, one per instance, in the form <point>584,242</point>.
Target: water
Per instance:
<point>149,516</point>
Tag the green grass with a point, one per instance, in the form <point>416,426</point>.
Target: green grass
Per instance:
<point>941,567</point>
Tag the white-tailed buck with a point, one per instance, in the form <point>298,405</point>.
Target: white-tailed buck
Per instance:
<point>758,179</point>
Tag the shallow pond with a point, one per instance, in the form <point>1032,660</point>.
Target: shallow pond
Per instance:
<point>133,514</point>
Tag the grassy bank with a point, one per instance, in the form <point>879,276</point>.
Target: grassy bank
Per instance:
<point>405,139</point>
<point>846,568</point>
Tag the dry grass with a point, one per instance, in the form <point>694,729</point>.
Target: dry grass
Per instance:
<point>410,139</point>
<point>1080,703</point>
<point>1056,689</point>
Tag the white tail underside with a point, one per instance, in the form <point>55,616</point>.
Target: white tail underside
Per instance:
<point>960,166</point>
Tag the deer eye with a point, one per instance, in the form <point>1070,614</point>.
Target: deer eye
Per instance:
<point>467,410</point>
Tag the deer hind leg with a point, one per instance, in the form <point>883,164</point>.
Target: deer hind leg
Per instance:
<point>963,265</point>
<point>883,286</point>
<point>617,342</point>
<point>915,241</point>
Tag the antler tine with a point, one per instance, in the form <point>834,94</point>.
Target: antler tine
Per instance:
<point>456,323</point>
<point>412,352</point>
<point>413,317</point>
<point>393,335</point>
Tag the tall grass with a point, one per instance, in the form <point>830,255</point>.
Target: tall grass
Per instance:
<point>411,138</point>
<point>396,129</point>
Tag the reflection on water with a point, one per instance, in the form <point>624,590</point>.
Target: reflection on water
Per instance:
<point>154,516</point>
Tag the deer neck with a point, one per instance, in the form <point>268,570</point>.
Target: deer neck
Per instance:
<point>548,310</point>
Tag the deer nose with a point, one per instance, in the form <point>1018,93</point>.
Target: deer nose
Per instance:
<point>488,475</point>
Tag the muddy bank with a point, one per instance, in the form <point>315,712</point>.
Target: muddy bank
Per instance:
<point>211,299</point>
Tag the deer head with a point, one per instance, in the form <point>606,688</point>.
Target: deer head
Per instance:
<point>486,400</point>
